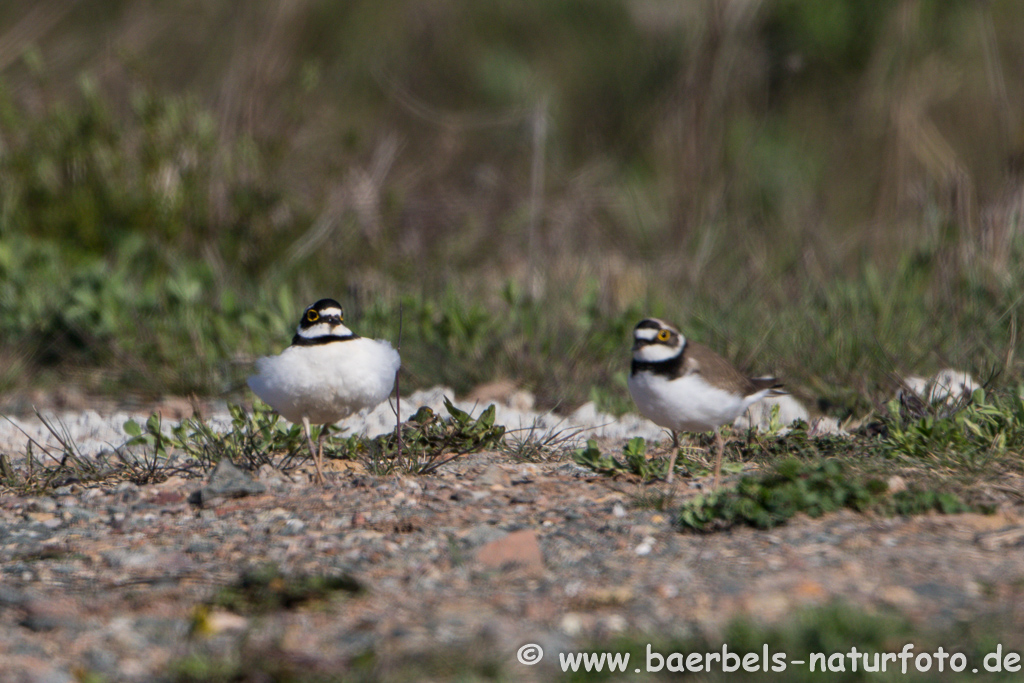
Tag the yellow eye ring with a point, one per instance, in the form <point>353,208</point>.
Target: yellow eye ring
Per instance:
<point>312,316</point>
<point>664,335</point>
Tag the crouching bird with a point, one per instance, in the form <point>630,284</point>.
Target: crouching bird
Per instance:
<point>327,374</point>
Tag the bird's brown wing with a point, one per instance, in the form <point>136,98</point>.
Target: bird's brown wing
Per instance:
<point>721,373</point>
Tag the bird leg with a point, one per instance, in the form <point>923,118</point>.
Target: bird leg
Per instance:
<point>672,458</point>
<point>313,451</point>
<point>718,457</point>
<point>325,432</point>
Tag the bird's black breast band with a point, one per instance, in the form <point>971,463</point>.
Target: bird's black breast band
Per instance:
<point>299,340</point>
<point>670,367</point>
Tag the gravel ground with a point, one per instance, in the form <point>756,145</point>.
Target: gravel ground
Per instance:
<point>487,554</point>
<point>476,560</point>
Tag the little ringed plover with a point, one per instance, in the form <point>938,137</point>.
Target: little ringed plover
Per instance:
<point>684,386</point>
<point>326,374</point>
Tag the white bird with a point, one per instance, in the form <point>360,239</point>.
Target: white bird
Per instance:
<point>684,386</point>
<point>326,374</point>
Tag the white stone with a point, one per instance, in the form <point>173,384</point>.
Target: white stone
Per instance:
<point>947,386</point>
<point>759,415</point>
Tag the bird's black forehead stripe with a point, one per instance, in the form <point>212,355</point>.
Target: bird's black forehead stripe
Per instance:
<point>648,324</point>
<point>325,303</point>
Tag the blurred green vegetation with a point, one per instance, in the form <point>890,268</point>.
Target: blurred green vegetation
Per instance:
<point>829,191</point>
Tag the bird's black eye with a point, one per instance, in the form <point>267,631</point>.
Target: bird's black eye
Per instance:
<point>312,316</point>
<point>664,335</point>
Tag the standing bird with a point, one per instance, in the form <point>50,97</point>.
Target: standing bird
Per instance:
<point>326,374</point>
<point>683,385</point>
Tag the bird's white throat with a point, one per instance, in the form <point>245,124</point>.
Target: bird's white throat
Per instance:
<point>324,330</point>
<point>655,352</point>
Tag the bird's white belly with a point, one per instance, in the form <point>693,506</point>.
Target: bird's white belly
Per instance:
<point>329,382</point>
<point>686,403</point>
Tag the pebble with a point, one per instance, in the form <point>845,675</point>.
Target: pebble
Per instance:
<point>482,534</point>
<point>47,614</point>
<point>517,550</point>
<point>201,547</point>
<point>227,481</point>
<point>645,547</point>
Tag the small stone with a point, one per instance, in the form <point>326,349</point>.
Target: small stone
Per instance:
<point>40,516</point>
<point>898,596</point>
<point>520,549</point>
<point>47,614</point>
<point>768,607</point>
<point>52,675</point>
<point>667,591</point>
<point>856,542</point>
<point>43,505</point>
<point>983,523</point>
<point>809,590</point>
<point>131,559</point>
<point>494,475</point>
<point>761,414</point>
<point>220,621</point>
<point>167,498</point>
<point>614,623</point>
<point>896,484</point>
<point>293,527</point>
<point>1003,538</point>
<point>126,492</point>
<point>605,597</point>
<point>11,597</point>
<point>227,481</point>
<point>483,533</point>
<point>571,624</point>
<point>645,547</point>
<point>201,547</point>
<point>342,465</point>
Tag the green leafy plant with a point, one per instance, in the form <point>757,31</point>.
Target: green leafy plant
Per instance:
<point>261,437</point>
<point>428,441</point>
<point>254,439</point>
<point>978,430</point>
<point>769,499</point>
<point>156,450</point>
<point>268,589</point>
<point>634,460</point>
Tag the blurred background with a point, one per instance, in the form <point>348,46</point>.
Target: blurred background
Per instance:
<point>828,191</point>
